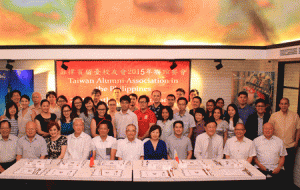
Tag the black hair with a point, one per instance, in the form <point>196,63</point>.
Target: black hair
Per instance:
<point>168,108</point>
<point>26,97</point>
<point>51,93</point>
<point>9,105</point>
<point>182,98</point>
<point>153,128</point>
<point>144,96</point>
<point>178,121</point>
<point>125,98</point>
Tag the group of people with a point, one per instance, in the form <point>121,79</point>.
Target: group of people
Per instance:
<point>120,129</point>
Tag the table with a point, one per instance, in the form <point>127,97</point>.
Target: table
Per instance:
<point>69,170</point>
<point>195,170</point>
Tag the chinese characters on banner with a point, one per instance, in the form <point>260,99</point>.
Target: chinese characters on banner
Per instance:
<point>139,77</point>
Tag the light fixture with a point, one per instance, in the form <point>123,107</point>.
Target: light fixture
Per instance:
<point>9,66</point>
<point>174,65</point>
<point>63,66</point>
<point>219,66</point>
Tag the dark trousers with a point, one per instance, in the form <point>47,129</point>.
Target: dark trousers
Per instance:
<point>7,164</point>
<point>289,164</point>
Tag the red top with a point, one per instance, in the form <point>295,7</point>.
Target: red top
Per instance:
<point>144,119</point>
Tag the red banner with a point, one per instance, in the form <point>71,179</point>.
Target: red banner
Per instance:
<point>139,77</point>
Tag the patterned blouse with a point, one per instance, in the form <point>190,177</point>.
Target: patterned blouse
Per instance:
<point>54,147</point>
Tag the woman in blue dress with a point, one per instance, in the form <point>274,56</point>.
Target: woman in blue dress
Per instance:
<point>155,149</point>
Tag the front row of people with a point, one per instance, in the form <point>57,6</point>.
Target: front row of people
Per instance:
<point>267,151</point>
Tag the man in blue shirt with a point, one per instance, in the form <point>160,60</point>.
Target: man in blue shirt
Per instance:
<point>244,109</point>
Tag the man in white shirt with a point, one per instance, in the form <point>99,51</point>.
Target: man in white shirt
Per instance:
<point>130,148</point>
<point>270,151</point>
<point>79,143</point>
<point>124,117</point>
<point>239,146</point>
<point>209,145</point>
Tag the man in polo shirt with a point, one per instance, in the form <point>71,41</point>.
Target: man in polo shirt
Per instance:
<point>177,143</point>
<point>244,109</point>
<point>146,117</point>
<point>124,117</point>
<point>32,145</point>
<point>8,146</point>
<point>183,115</point>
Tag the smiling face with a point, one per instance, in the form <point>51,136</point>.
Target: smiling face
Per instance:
<point>101,109</point>
<point>239,130</point>
<point>178,129</point>
<point>25,103</point>
<point>165,114</point>
<point>155,134</point>
<point>156,96</point>
<point>53,131</point>
<point>210,128</point>
<point>45,107</point>
<point>284,105</point>
<point>231,111</point>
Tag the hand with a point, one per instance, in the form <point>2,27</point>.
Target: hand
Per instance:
<point>276,170</point>
<point>263,168</point>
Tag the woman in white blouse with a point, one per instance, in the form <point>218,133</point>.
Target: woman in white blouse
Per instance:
<point>165,121</point>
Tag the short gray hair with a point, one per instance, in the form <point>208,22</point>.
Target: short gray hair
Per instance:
<point>78,118</point>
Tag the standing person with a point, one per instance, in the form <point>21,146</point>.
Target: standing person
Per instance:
<point>60,101</point>
<point>124,117</point>
<point>77,107</point>
<point>220,103</point>
<point>155,149</point>
<point>11,115</point>
<point>96,95</point>
<point>44,118</point>
<point>256,120</point>
<point>130,148</point>
<point>185,117</point>
<point>156,106</point>
<point>66,121</point>
<point>25,115</point>
<point>178,143</point>
<point>132,105</point>
<point>32,145</point>
<point>200,124</point>
<point>210,106</point>
<point>232,118</point>
<point>56,143</point>
<point>193,93</point>
<point>146,117</point>
<point>222,125</point>
<point>116,95</point>
<point>287,127</point>
<point>36,99</point>
<point>88,114</point>
<point>244,109</point>
<point>171,103</point>
<point>15,96</point>
<point>112,108</point>
<point>8,146</point>
<point>209,145</point>
<point>51,96</point>
<point>165,121</point>
<point>196,102</point>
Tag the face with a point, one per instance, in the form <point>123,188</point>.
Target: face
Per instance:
<point>192,95</point>
<point>260,108</point>
<point>217,114</point>
<point>220,104</point>
<point>268,130</point>
<point>211,128</point>
<point>78,104</point>
<point>36,98</point>
<point>45,107</point>
<point>179,94</point>
<point>103,130</point>
<point>67,112</point>
<point>156,96</point>
<point>239,130</point>
<point>30,129</point>
<point>24,103</point>
<point>16,97</point>
<point>231,111</point>
<point>61,102</point>
<point>125,105</point>
<point>130,132</point>
<point>112,106</point>
<point>5,129</point>
<point>181,105</point>
<point>133,100</point>
<point>242,99</point>
<point>178,129</point>
<point>165,114</point>
<point>143,103</point>
<point>199,117</point>
<point>196,103</point>
<point>89,105</point>
<point>78,126</point>
<point>170,101</point>
<point>53,131</point>
<point>116,93</point>
<point>96,97</point>
<point>155,134</point>
<point>210,106</point>
<point>284,105</point>
<point>12,110</point>
<point>101,110</point>
<point>51,98</point>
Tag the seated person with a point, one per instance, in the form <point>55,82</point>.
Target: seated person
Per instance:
<point>104,146</point>
<point>155,149</point>
<point>56,143</point>
<point>8,146</point>
<point>130,148</point>
<point>270,152</point>
<point>178,143</point>
<point>79,143</point>
<point>239,146</point>
<point>32,145</point>
<point>209,145</point>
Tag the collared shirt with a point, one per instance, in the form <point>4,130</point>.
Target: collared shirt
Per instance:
<point>103,148</point>
<point>156,109</point>
<point>8,149</point>
<point>144,119</point>
<point>130,150</point>
<point>245,112</point>
<point>32,150</point>
<point>188,122</point>
<point>182,145</point>
<point>122,120</point>
<point>201,146</point>
<point>78,147</point>
<point>285,126</point>
<point>87,122</point>
<point>167,129</point>
<point>269,151</point>
<point>37,110</point>
<point>239,149</point>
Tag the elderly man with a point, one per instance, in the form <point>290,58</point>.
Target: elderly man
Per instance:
<point>130,148</point>
<point>36,98</point>
<point>79,143</point>
<point>32,145</point>
<point>240,147</point>
<point>270,152</point>
<point>8,146</point>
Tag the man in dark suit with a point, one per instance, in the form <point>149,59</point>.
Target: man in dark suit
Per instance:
<point>256,120</point>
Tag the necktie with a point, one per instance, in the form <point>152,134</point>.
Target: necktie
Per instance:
<point>209,149</point>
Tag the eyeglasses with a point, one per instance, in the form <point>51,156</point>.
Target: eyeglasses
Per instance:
<point>142,102</point>
<point>101,109</point>
<point>66,111</point>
